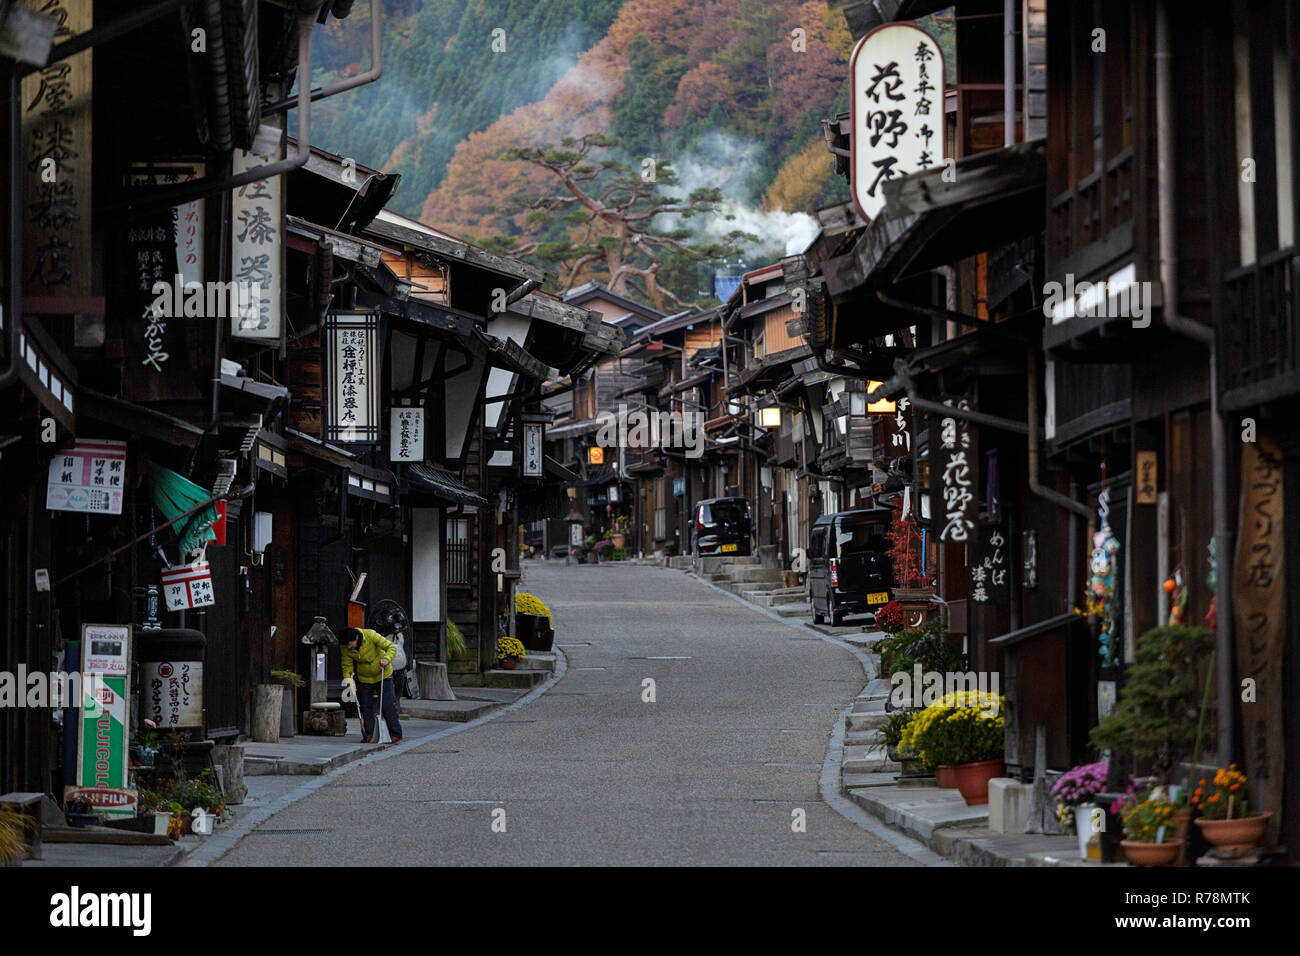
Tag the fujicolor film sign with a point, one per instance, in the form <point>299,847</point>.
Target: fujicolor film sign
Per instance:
<point>105,730</point>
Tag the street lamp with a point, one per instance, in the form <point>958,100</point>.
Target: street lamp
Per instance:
<point>770,417</point>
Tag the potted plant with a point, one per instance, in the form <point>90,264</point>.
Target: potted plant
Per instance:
<point>145,746</point>
<point>1149,832</point>
<point>14,826</point>
<point>890,618</point>
<point>150,803</point>
<point>1156,717</point>
<point>1226,819</point>
<point>963,730</point>
<point>1076,794</point>
<point>188,794</point>
<point>892,733</point>
<point>509,650</point>
<point>291,681</point>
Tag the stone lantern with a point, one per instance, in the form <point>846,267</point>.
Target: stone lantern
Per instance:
<point>325,718</point>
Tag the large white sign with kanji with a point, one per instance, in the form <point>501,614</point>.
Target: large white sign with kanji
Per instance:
<point>89,477</point>
<point>897,108</point>
<point>406,434</point>
<point>256,236</point>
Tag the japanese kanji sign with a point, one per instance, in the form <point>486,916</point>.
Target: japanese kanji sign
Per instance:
<point>173,693</point>
<point>1147,485</point>
<point>89,477</point>
<point>352,376</point>
<point>406,434</point>
<point>188,586</point>
<point>954,475</point>
<point>988,568</point>
<point>1260,610</point>
<point>896,72</point>
<point>256,247</point>
<point>104,726</point>
<point>56,157</point>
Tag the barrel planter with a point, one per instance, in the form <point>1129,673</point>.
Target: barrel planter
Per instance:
<point>535,631</point>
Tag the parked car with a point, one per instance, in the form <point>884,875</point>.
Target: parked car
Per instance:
<point>849,568</point>
<point>721,526</point>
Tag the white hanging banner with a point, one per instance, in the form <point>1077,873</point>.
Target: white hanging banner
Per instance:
<point>89,477</point>
<point>352,376</point>
<point>406,433</point>
<point>256,248</point>
<point>896,72</point>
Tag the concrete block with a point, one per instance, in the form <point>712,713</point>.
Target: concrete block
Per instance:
<point>1009,805</point>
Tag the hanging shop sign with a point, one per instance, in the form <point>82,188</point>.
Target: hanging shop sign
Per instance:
<point>900,436</point>
<point>679,487</point>
<point>954,478</point>
<point>1259,605</point>
<point>896,73</point>
<point>988,569</point>
<point>256,250</point>
<point>56,159</point>
<point>406,434</point>
<point>534,449</point>
<point>173,693</point>
<point>188,586</point>
<point>104,727</point>
<point>1147,484</point>
<point>352,376</point>
<point>90,477</point>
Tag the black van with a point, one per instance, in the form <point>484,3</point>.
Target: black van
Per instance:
<point>720,526</point>
<point>849,568</point>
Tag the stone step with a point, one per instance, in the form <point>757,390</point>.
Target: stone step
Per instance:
<point>775,597</point>
<point>878,689</point>
<point>793,610</point>
<point>713,564</point>
<point>538,661</point>
<point>868,721</point>
<point>461,710</point>
<point>500,677</point>
<point>754,573</point>
<point>868,759</point>
<point>861,738</point>
<point>869,705</point>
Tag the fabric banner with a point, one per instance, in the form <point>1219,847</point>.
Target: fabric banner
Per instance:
<point>1261,624</point>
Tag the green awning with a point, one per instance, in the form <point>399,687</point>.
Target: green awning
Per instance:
<point>174,495</point>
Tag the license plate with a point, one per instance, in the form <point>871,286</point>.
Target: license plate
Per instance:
<point>730,547</point>
<point>880,597</point>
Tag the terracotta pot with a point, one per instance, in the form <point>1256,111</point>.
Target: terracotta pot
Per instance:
<point>619,539</point>
<point>1152,854</point>
<point>509,663</point>
<point>1241,833</point>
<point>946,776</point>
<point>973,779</point>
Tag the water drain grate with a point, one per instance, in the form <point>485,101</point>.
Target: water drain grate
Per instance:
<point>363,784</point>
<point>294,832</point>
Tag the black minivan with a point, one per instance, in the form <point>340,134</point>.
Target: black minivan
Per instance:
<point>849,568</point>
<point>720,526</point>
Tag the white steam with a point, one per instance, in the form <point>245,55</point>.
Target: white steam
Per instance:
<point>721,161</point>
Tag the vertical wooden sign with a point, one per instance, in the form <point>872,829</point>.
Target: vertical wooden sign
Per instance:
<point>56,103</point>
<point>1260,589</point>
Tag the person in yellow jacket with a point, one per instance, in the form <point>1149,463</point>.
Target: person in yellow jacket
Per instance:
<point>369,655</point>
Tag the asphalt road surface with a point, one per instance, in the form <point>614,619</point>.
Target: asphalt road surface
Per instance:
<point>711,772</point>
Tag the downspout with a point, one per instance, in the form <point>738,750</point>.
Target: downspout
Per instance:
<point>1168,214</point>
<point>361,79</point>
<point>1009,72</point>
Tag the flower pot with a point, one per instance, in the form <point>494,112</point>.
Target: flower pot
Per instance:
<point>1152,854</point>
<point>1083,826</point>
<point>973,779</point>
<point>160,821</point>
<point>1240,833</point>
<point>619,539</point>
<point>945,776</point>
<point>509,663</point>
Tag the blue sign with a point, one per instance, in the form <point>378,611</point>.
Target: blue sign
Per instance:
<point>679,487</point>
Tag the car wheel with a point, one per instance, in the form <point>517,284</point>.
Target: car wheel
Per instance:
<point>818,617</point>
<point>836,615</point>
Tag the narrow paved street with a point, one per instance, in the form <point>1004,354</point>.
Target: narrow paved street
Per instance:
<point>589,773</point>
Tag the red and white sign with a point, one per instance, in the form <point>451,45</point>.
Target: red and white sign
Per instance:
<point>896,72</point>
<point>219,529</point>
<point>90,477</point>
<point>188,586</point>
<point>116,801</point>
